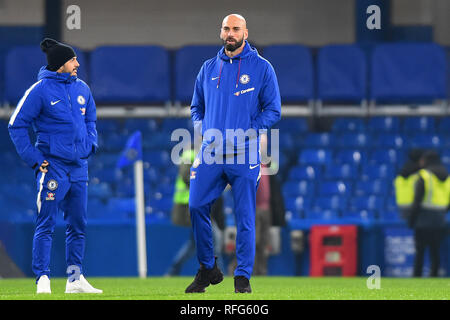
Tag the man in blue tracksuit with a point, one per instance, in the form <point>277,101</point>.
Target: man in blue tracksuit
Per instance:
<point>237,90</point>
<point>62,111</point>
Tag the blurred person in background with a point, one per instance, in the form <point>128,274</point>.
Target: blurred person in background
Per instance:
<point>430,205</point>
<point>405,181</point>
<point>263,217</point>
<point>181,217</point>
<point>62,112</point>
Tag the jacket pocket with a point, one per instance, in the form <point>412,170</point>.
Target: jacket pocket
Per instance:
<point>62,147</point>
<point>84,148</point>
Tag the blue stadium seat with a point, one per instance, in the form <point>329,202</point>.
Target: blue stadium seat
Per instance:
<point>23,193</point>
<point>345,124</point>
<point>142,76</point>
<point>416,125</point>
<point>157,158</point>
<point>315,157</point>
<point>341,73</point>
<point>320,140</point>
<point>122,208</point>
<point>294,68</point>
<point>293,125</point>
<point>426,141</point>
<point>21,71</point>
<point>285,162</point>
<point>445,157</point>
<point>331,188</point>
<point>445,141</point>
<point>170,124</point>
<point>352,157</point>
<point>8,156</point>
<point>161,204</point>
<point>336,203</point>
<point>151,174</point>
<point>159,141</point>
<point>146,126</point>
<point>378,187</point>
<point>390,156</point>
<point>3,51</point>
<point>318,213</point>
<point>104,160</point>
<point>108,175</point>
<point>165,189</point>
<point>99,190</point>
<point>353,141</point>
<point>188,61</point>
<point>108,126</point>
<point>171,171</point>
<point>305,173</point>
<point>115,142</point>
<point>5,140</point>
<point>303,188</point>
<point>390,215</point>
<point>371,203</point>
<point>390,141</point>
<point>377,171</point>
<point>384,124</point>
<point>367,216</point>
<point>341,172</point>
<point>411,72</point>
<point>391,203</point>
<point>287,141</point>
<point>98,209</point>
<point>444,124</point>
<point>125,189</point>
<point>297,204</point>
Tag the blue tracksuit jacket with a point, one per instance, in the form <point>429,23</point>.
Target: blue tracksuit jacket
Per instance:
<point>238,93</point>
<point>63,114</point>
<point>62,111</point>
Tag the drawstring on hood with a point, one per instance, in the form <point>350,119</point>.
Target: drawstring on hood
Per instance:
<point>239,72</point>
<point>248,50</point>
<point>220,73</point>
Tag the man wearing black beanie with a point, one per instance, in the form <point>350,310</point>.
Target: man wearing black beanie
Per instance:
<point>57,54</point>
<point>62,112</point>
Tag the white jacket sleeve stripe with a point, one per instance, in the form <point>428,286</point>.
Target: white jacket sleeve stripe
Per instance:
<point>20,104</point>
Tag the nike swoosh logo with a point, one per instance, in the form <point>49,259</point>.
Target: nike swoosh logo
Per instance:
<point>253,167</point>
<point>214,78</point>
<point>54,102</point>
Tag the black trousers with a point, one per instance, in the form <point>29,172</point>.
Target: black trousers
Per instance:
<point>427,238</point>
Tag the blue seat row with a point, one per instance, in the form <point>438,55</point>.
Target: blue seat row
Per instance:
<point>328,157</point>
<point>373,125</point>
<point>146,74</point>
<point>347,216</point>
<point>344,171</point>
<point>356,188</point>
<point>337,203</point>
<point>389,124</point>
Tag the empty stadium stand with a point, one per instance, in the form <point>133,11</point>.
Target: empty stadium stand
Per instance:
<point>130,74</point>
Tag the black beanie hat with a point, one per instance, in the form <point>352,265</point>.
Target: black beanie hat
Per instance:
<point>431,157</point>
<point>57,53</point>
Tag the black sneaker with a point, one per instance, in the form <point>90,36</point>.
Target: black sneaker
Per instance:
<point>242,285</point>
<point>204,278</point>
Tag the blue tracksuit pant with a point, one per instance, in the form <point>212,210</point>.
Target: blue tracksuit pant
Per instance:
<point>207,183</point>
<point>56,193</point>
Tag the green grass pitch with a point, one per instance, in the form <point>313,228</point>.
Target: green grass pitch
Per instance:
<point>264,288</point>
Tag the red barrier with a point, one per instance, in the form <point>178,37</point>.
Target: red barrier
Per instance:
<point>333,250</point>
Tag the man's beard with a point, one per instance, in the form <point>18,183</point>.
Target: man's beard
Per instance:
<point>232,47</point>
